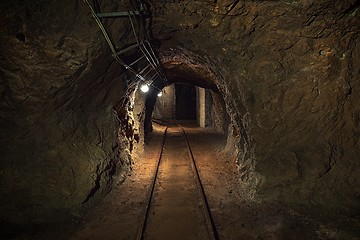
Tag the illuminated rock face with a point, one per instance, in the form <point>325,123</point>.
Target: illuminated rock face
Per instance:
<point>65,136</point>
<point>288,73</point>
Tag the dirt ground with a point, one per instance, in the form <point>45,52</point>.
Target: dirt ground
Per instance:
<point>119,215</point>
<point>176,211</point>
<point>239,218</point>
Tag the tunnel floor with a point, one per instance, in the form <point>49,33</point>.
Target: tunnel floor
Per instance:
<point>175,209</point>
<point>120,214</point>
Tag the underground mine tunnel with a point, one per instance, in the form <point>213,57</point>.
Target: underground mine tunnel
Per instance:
<point>263,94</point>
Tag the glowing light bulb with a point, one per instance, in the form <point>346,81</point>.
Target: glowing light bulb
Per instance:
<point>144,88</point>
<point>159,94</point>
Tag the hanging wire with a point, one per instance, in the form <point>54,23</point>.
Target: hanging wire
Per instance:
<point>153,61</point>
<point>142,40</point>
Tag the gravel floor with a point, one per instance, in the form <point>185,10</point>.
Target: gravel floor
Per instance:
<point>118,216</point>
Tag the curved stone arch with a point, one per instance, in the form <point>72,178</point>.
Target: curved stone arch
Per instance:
<point>184,66</point>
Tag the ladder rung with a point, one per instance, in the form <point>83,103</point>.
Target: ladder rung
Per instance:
<point>150,70</point>
<point>117,14</point>
<point>137,60</point>
<point>140,77</point>
<point>142,71</point>
<point>153,76</point>
<point>127,49</point>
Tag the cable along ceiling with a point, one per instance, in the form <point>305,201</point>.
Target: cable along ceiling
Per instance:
<point>146,68</point>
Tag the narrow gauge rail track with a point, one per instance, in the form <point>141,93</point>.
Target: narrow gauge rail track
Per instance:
<point>177,207</point>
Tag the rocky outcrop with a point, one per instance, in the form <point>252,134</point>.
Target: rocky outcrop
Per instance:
<point>289,77</point>
<point>67,128</point>
<point>288,72</point>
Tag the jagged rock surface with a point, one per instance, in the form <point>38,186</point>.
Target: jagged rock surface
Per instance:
<point>66,137</point>
<point>289,74</point>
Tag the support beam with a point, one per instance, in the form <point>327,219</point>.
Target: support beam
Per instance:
<point>137,60</point>
<point>118,14</point>
<point>147,66</point>
<point>127,49</point>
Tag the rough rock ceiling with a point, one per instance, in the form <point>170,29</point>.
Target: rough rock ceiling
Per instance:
<point>288,72</point>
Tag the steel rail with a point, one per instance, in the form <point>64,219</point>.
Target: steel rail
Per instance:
<point>140,235</point>
<point>210,224</point>
<point>213,234</point>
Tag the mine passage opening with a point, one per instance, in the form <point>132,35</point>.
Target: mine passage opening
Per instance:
<point>192,103</point>
<point>185,102</point>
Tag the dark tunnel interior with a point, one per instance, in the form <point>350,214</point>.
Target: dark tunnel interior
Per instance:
<point>266,94</point>
<point>185,102</point>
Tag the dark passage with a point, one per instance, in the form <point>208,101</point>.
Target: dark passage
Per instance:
<point>185,102</point>
<point>268,93</point>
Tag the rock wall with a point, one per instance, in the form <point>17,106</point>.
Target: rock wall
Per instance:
<point>165,105</point>
<point>289,74</point>
<point>67,128</point>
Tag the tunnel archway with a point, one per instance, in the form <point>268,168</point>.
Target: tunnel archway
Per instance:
<point>190,76</point>
<point>284,74</point>
<point>192,103</point>
<point>185,105</point>
<point>185,67</point>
